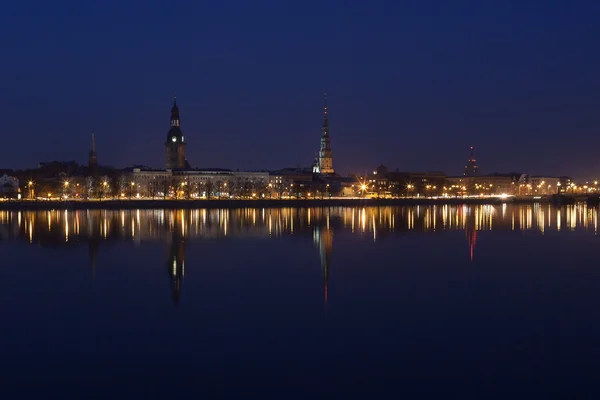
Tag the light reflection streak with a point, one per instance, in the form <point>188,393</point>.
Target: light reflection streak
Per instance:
<point>66,218</point>
<point>271,223</point>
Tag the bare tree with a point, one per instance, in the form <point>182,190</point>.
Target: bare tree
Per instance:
<point>105,186</point>
<point>121,185</point>
<point>89,186</point>
<point>194,189</point>
<point>210,187</point>
<point>260,188</point>
<point>152,188</point>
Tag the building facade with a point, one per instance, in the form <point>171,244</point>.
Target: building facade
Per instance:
<point>496,184</point>
<point>9,187</point>
<point>196,183</point>
<point>538,185</point>
<point>175,144</point>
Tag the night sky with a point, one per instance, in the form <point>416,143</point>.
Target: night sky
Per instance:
<point>411,84</point>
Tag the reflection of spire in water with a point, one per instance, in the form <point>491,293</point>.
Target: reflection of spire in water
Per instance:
<point>323,238</point>
<point>176,264</point>
<point>471,233</point>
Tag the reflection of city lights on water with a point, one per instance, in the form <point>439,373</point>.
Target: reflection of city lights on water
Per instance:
<point>376,221</point>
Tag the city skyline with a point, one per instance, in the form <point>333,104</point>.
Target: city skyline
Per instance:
<point>408,88</point>
<point>175,148</point>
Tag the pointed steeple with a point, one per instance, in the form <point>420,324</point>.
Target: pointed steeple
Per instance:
<point>325,117</point>
<point>325,156</point>
<point>175,114</point>
<point>175,109</point>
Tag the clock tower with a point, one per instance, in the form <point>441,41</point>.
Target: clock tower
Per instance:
<point>175,144</point>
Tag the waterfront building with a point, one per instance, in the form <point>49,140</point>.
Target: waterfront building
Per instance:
<point>9,187</point>
<point>384,183</point>
<point>179,180</point>
<point>493,184</point>
<point>197,183</point>
<point>538,185</point>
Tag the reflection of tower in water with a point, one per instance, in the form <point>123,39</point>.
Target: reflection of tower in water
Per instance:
<point>176,264</point>
<point>471,239</point>
<point>471,233</point>
<point>323,239</point>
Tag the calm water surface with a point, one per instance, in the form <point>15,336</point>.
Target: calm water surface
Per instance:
<point>462,302</point>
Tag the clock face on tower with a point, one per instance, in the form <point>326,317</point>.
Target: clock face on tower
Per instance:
<point>174,139</point>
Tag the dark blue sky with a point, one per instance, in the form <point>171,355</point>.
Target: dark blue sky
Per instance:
<point>410,83</point>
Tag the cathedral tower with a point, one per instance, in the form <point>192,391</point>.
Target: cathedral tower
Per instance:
<point>175,145</point>
<point>325,155</point>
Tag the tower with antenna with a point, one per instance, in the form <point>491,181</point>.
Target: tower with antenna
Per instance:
<point>471,169</point>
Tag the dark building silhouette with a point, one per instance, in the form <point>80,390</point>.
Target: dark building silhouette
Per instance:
<point>175,144</point>
<point>93,157</point>
<point>471,169</point>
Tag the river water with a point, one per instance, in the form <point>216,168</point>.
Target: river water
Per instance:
<point>383,302</point>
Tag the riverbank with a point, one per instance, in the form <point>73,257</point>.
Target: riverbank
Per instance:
<point>262,203</point>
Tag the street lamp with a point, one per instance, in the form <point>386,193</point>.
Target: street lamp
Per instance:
<point>363,188</point>
<point>65,190</point>
<point>30,185</point>
<point>103,191</point>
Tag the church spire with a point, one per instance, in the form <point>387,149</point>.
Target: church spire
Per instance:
<point>93,156</point>
<point>175,113</point>
<point>325,155</point>
<point>325,117</point>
